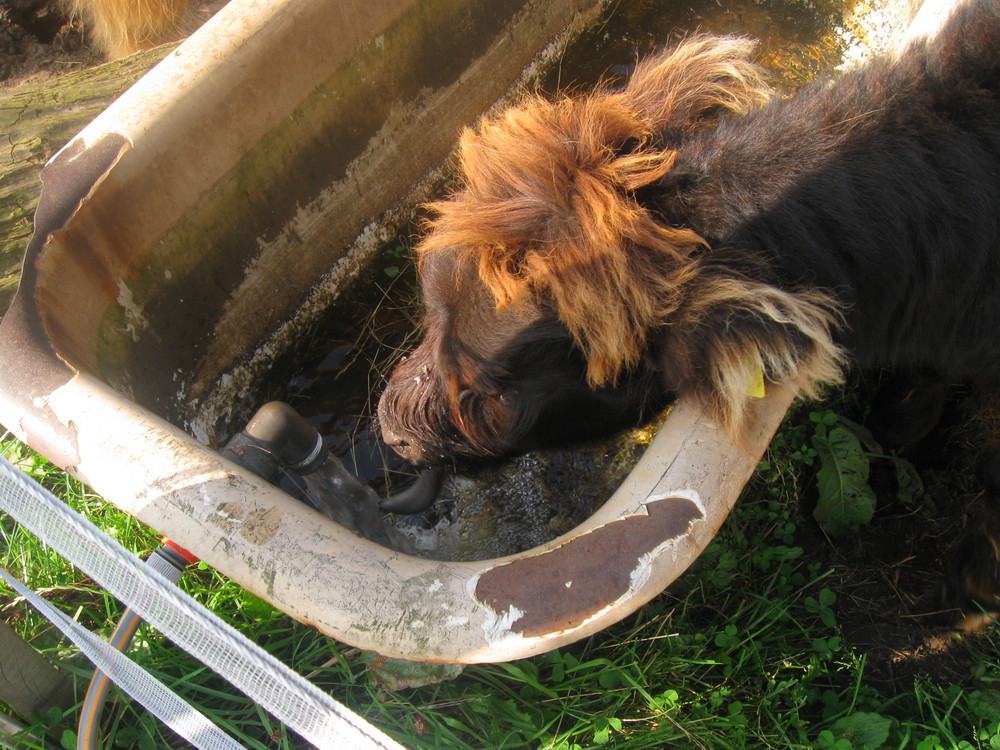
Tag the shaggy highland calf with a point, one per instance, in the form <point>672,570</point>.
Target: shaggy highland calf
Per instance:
<point>683,233</point>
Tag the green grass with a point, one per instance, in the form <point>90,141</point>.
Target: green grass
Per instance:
<point>745,651</point>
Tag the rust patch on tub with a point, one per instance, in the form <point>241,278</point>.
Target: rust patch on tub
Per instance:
<point>560,589</point>
<point>228,514</point>
<point>261,525</point>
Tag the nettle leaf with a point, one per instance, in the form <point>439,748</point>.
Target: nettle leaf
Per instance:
<point>846,501</point>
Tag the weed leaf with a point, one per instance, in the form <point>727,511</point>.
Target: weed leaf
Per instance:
<point>846,501</point>
<point>985,703</point>
<point>863,729</point>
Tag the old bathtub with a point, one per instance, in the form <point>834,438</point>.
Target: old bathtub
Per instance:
<point>189,234</point>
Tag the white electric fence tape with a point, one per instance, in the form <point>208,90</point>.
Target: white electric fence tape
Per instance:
<point>287,695</point>
<point>152,694</point>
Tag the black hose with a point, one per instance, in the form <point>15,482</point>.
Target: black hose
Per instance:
<point>277,435</point>
<point>298,445</point>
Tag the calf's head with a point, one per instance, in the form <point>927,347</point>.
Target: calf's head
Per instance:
<point>559,300</point>
<point>488,382</point>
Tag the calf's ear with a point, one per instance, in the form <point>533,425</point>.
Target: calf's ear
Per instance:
<point>732,333</point>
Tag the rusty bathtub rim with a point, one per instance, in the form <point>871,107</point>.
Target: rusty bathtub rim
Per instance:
<point>368,596</point>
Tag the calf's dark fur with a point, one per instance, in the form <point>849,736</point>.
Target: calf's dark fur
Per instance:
<point>687,231</point>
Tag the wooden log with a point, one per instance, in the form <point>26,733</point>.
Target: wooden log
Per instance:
<point>38,119</point>
<point>28,682</point>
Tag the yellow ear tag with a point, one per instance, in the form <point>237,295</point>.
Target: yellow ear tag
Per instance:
<point>756,388</point>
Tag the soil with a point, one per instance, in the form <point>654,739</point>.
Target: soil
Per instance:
<point>39,40</point>
<point>889,577</point>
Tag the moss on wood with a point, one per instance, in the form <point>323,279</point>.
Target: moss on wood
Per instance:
<point>38,119</point>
